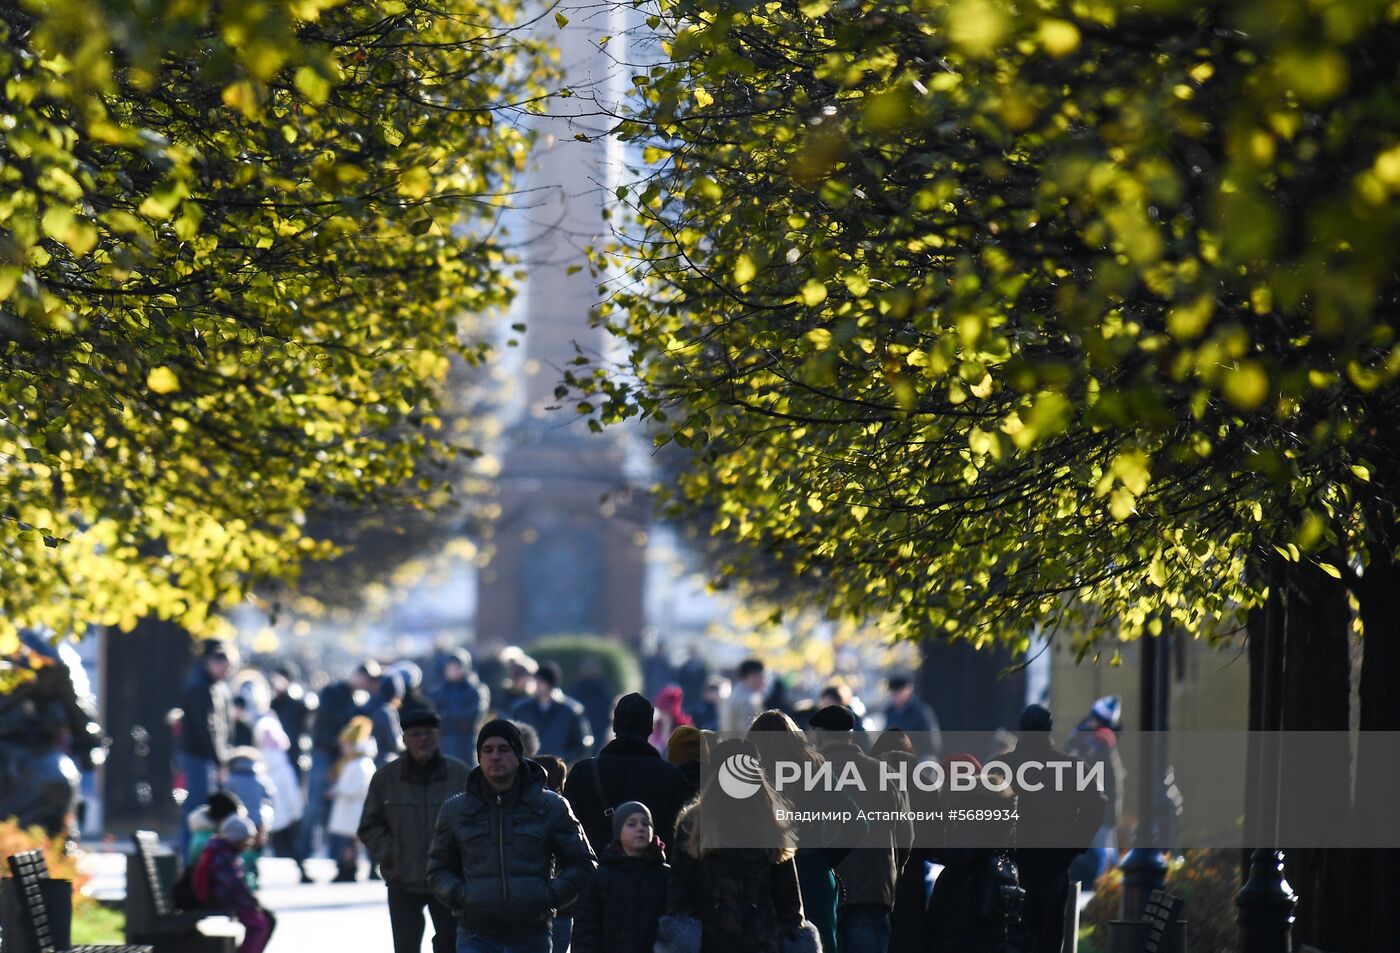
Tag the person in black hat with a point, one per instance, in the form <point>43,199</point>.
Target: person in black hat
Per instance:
<point>398,840</point>
<point>627,769</point>
<point>507,897</point>
<point>871,871</point>
<point>206,729</point>
<point>1056,826</point>
<point>558,719</point>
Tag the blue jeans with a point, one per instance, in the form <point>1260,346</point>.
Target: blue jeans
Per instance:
<point>314,819</point>
<point>469,942</point>
<point>201,778</point>
<point>863,928</point>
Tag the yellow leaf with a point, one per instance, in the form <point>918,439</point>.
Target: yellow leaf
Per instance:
<point>977,26</point>
<point>416,182</point>
<point>813,293</point>
<point>1246,385</point>
<point>744,270</point>
<point>162,380</point>
<point>1059,37</point>
<point>702,96</point>
<point>243,97</point>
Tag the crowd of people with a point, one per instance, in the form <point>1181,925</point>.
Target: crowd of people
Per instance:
<point>516,820</point>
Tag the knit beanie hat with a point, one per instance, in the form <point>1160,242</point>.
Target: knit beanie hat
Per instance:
<point>1108,710</point>
<point>624,811</point>
<point>633,716</point>
<point>687,744</point>
<point>236,828</point>
<point>500,728</point>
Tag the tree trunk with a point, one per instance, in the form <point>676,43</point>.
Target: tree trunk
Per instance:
<point>1317,697</point>
<point>1374,916</point>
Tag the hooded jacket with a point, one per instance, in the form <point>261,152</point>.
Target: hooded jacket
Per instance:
<point>504,863</point>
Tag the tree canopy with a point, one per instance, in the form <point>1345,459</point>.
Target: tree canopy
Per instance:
<point>238,241</point>
<point>998,315</point>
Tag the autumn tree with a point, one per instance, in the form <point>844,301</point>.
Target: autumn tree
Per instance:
<point>237,244</point>
<point>993,315</point>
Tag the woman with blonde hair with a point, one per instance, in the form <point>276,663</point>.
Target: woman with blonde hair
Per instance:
<point>733,882</point>
<point>778,739</point>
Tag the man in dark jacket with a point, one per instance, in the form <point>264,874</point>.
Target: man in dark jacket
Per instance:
<point>337,704</point>
<point>627,769</point>
<point>558,719</point>
<point>294,709</point>
<point>507,852</point>
<point>462,701</point>
<point>1058,824</point>
<point>206,726</point>
<point>910,715</point>
<point>869,873</point>
<point>397,824</point>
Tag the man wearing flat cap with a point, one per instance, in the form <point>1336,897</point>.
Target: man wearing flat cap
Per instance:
<point>508,852</point>
<point>396,828</point>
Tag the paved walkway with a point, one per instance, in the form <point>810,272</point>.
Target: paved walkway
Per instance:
<point>310,917</point>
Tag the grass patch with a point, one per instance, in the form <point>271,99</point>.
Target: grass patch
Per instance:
<point>94,923</point>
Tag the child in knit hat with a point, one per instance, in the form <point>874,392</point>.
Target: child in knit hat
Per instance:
<point>625,900</point>
<point>220,885</point>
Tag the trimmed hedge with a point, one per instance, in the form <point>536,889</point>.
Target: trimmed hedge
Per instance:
<point>619,663</point>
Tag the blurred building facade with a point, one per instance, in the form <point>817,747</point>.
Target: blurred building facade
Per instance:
<point>567,551</point>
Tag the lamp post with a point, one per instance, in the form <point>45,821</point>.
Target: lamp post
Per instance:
<point>1145,868</point>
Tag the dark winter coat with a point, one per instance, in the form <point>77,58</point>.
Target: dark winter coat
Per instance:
<point>1053,828</point>
<point>628,769</point>
<point>388,736</point>
<point>295,712</point>
<point>743,901</point>
<point>207,724</point>
<point>621,906</point>
<point>505,862</point>
<point>401,812</point>
<point>337,706</point>
<point>969,912</point>
<point>920,722</point>
<point>562,727</point>
<point>462,706</point>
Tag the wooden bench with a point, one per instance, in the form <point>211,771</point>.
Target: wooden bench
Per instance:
<point>39,933</point>
<point>1163,916</point>
<point>151,915</point>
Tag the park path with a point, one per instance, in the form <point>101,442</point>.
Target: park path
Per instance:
<point>352,918</point>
